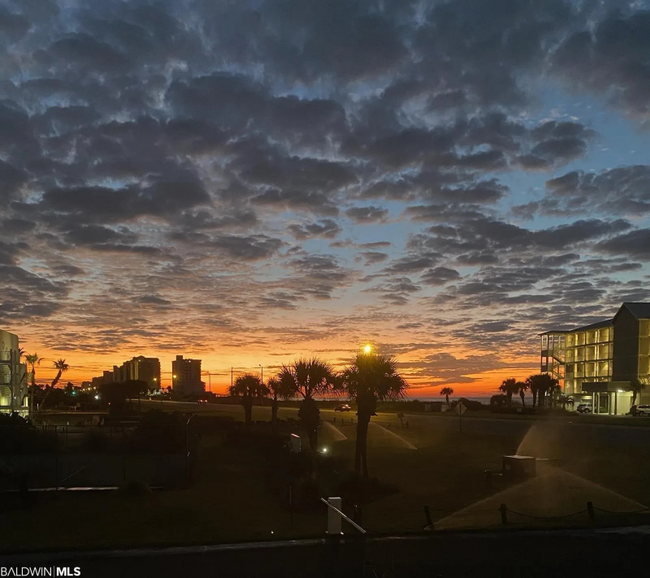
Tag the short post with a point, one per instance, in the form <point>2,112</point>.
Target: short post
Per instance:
<point>291,506</point>
<point>358,515</point>
<point>427,515</point>
<point>334,522</point>
<point>504,517</point>
<point>56,458</point>
<point>590,510</point>
<point>123,455</point>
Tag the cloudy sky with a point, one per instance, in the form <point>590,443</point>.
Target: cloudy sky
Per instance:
<point>246,182</point>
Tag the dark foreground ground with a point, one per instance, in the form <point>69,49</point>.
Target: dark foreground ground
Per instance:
<point>566,553</point>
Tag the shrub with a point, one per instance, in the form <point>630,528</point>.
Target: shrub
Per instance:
<point>18,435</point>
<point>94,441</point>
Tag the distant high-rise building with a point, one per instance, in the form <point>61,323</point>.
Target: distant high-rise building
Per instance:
<point>186,376</point>
<point>139,368</point>
<point>13,376</point>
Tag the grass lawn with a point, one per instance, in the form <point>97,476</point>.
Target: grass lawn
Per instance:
<point>230,501</point>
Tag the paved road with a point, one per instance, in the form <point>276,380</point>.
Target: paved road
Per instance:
<point>596,432</point>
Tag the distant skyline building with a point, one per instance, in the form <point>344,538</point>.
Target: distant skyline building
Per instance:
<point>186,376</point>
<point>13,376</point>
<point>596,363</point>
<point>139,368</point>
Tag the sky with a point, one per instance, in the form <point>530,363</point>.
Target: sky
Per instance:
<point>251,182</point>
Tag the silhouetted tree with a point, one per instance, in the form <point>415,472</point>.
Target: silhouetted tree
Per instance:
<point>446,391</point>
<point>371,378</point>
<point>277,390</point>
<point>522,386</point>
<point>539,384</point>
<point>248,387</point>
<point>509,387</point>
<point>62,367</point>
<point>308,378</point>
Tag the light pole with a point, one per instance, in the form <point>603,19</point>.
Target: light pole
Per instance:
<point>261,373</point>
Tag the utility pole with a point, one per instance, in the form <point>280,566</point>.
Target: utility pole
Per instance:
<point>261,373</point>
<point>232,373</point>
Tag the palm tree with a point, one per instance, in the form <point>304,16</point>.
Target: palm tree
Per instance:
<point>370,378</point>
<point>539,384</point>
<point>62,366</point>
<point>522,386</point>
<point>509,386</point>
<point>248,387</point>
<point>636,386</point>
<point>446,391</point>
<point>33,360</point>
<point>307,378</point>
<point>277,390</point>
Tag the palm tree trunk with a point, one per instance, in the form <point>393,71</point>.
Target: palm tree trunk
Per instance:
<point>523,402</point>
<point>509,398</point>
<point>274,413</point>
<point>447,399</point>
<point>56,379</point>
<point>360,456</point>
<point>534,399</point>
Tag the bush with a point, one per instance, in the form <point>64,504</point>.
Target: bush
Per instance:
<point>469,404</point>
<point>94,441</point>
<point>159,431</point>
<point>18,435</point>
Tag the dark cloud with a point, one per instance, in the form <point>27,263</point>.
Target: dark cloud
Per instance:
<point>366,214</point>
<point>611,61</point>
<point>635,244</point>
<point>439,276</point>
<point>326,228</point>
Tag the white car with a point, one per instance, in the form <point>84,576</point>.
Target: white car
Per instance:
<point>642,409</point>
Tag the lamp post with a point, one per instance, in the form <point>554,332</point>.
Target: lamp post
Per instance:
<point>261,373</point>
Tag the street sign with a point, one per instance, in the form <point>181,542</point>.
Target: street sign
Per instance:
<point>460,408</point>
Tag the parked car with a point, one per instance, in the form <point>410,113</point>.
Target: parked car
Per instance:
<point>643,410</point>
<point>583,408</point>
<point>343,407</point>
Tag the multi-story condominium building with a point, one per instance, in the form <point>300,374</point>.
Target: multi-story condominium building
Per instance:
<point>13,376</point>
<point>106,377</point>
<point>597,363</point>
<point>139,368</point>
<point>186,376</point>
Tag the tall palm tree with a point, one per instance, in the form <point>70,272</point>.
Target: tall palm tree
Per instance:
<point>248,387</point>
<point>33,359</point>
<point>370,378</point>
<point>307,378</point>
<point>62,366</point>
<point>277,390</point>
<point>539,384</point>
<point>509,387</point>
<point>446,391</point>
<point>522,386</point>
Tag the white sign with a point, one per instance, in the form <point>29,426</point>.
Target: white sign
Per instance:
<point>460,408</point>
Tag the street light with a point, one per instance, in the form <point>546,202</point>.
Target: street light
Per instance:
<point>261,373</point>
